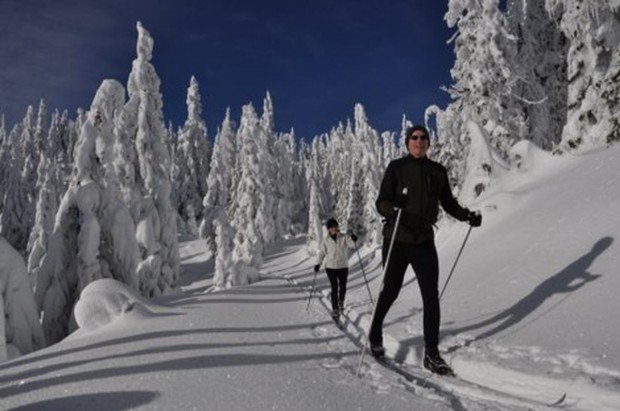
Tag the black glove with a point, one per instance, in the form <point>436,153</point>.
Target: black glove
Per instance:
<point>316,268</point>
<point>353,237</point>
<point>475,219</point>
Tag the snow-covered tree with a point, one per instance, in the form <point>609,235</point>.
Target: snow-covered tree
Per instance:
<point>389,149</point>
<point>268,164</point>
<point>483,79</point>
<point>19,322</point>
<point>285,148</point>
<point>340,160</point>
<point>593,30</point>
<point>448,143</point>
<point>315,228</point>
<point>156,227</point>
<point>354,213</point>
<point>47,206</point>
<point>299,222</point>
<point>219,183</point>
<point>194,154</point>
<point>484,90</point>
<point>540,67</point>
<point>404,126</point>
<point>94,234</point>
<point>249,211</point>
<point>224,275</point>
<point>370,177</point>
<point>20,199</point>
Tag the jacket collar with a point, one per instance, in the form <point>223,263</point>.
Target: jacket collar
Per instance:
<point>416,160</point>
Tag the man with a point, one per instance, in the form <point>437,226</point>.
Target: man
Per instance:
<point>427,187</point>
<point>334,251</point>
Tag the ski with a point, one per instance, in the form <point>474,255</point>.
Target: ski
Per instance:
<point>445,385</point>
<point>449,385</point>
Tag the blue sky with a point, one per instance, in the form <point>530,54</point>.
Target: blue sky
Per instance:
<point>316,58</point>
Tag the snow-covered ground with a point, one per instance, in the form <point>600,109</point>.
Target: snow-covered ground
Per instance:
<point>252,347</point>
<point>530,315</point>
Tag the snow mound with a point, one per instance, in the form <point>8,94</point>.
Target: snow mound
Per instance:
<point>104,301</point>
<point>525,156</point>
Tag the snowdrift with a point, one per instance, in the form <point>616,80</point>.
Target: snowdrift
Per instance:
<point>107,301</point>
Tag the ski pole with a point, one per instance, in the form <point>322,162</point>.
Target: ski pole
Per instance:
<point>312,291</point>
<point>374,310</point>
<point>364,274</point>
<point>455,261</point>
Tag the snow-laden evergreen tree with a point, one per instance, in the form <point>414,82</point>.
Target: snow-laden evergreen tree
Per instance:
<point>19,323</point>
<point>340,159</point>
<point>371,173</point>
<point>171,140</point>
<point>325,176</point>
<point>483,78</point>
<point>219,183</point>
<point>156,227</point>
<point>194,154</point>
<point>354,213</point>
<point>20,198</point>
<point>249,214</point>
<point>64,131</point>
<point>389,149</point>
<point>74,131</point>
<point>540,84</point>
<point>448,145</point>
<point>593,30</point>
<point>41,130</point>
<point>285,159</point>
<point>58,148</point>
<point>47,206</point>
<point>315,228</point>
<point>269,195</point>
<point>299,222</point>
<point>126,158</point>
<point>404,126</point>
<point>184,186</point>
<point>316,171</point>
<point>483,91</point>
<point>94,235</point>
<point>55,149</point>
<point>224,275</point>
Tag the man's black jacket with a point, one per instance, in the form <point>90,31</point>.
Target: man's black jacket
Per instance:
<point>427,184</point>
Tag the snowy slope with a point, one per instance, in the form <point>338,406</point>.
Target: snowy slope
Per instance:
<point>532,307</point>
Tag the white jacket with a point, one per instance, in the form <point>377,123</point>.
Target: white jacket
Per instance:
<point>335,253</point>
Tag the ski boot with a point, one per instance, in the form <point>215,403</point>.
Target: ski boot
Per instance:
<point>377,350</point>
<point>336,317</point>
<point>435,364</point>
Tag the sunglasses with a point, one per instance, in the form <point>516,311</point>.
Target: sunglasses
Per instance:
<point>414,137</point>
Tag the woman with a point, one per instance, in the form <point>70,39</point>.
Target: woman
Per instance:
<point>334,251</point>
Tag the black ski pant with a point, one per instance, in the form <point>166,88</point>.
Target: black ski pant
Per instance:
<point>338,280</point>
<point>423,260</point>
